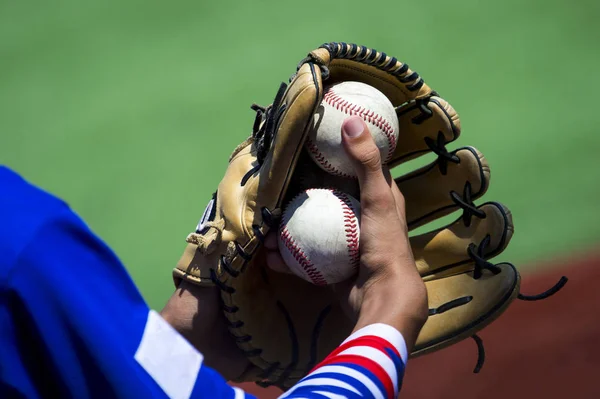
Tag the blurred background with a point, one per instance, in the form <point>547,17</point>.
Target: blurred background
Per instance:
<point>129,110</point>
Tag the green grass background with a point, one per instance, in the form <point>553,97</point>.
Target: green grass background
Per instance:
<point>129,109</point>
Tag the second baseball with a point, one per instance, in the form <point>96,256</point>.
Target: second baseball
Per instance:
<point>319,236</point>
<point>340,101</point>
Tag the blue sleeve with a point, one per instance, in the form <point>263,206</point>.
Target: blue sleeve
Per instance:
<point>72,323</point>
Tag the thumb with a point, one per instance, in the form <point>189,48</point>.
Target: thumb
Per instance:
<point>365,156</point>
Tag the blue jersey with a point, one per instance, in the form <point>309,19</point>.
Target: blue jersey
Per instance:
<point>73,324</point>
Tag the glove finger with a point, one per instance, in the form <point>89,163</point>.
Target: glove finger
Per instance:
<point>421,113</point>
<point>458,247</point>
<point>442,187</point>
<point>425,125</point>
<point>351,62</point>
<point>460,306</point>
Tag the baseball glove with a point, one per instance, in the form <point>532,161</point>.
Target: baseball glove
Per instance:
<point>285,325</point>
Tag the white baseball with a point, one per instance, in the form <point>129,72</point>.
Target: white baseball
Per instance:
<point>319,236</point>
<point>324,142</point>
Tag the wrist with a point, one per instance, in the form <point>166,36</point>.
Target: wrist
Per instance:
<point>399,301</point>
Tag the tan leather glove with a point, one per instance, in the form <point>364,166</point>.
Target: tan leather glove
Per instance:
<point>286,325</point>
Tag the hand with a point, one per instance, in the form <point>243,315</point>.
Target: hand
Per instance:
<point>388,289</point>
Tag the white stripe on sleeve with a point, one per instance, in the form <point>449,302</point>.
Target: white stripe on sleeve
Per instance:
<point>346,371</point>
<point>239,394</point>
<point>353,379</point>
<point>378,357</point>
<point>386,332</point>
<point>323,382</point>
<point>168,358</point>
<point>331,395</point>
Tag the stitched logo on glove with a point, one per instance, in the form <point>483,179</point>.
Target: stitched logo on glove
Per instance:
<point>207,216</point>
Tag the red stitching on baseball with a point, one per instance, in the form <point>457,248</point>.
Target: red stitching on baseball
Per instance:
<point>309,268</point>
<point>320,158</point>
<point>350,227</point>
<point>367,115</point>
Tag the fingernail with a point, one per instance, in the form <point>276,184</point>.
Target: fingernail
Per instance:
<point>353,126</point>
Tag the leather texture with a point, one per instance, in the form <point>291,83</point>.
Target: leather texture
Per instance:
<point>286,325</point>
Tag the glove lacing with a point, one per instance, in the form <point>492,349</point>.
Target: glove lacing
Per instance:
<point>263,133</point>
<point>466,203</point>
<point>477,253</point>
<point>209,238</point>
<point>265,124</point>
<point>438,147</point>
<point>377,59</point>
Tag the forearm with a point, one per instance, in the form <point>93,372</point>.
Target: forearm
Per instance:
<point>195,312</point>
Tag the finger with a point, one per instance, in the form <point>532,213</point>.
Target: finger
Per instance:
<point>271,241</point>
<point>366,158</point>
<point>273,258</point>
<point>275,262</point>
